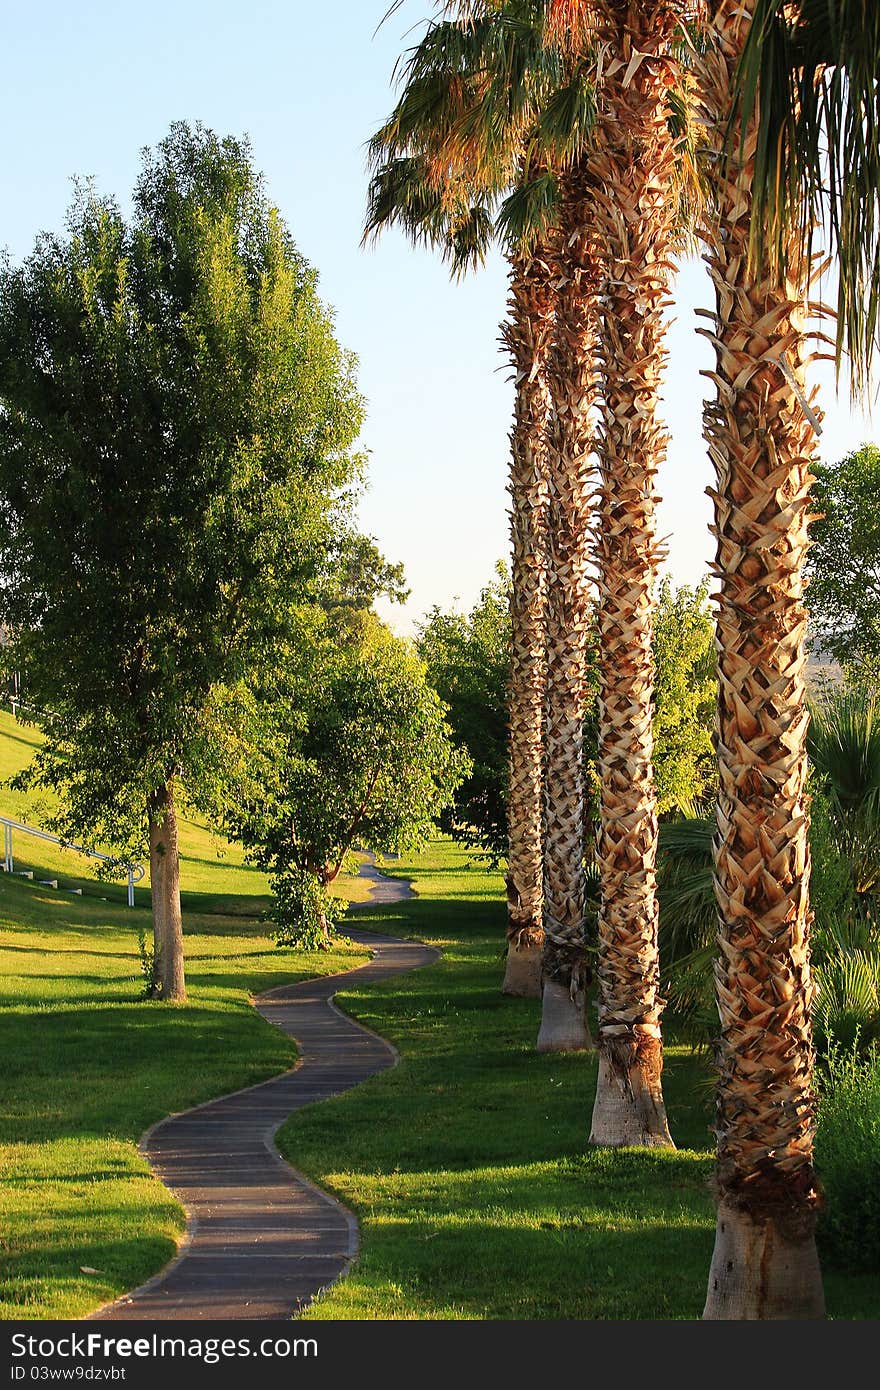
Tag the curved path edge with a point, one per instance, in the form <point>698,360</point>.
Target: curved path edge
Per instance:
<point>262,1240</point>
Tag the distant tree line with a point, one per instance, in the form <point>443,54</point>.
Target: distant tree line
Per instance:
<point>467,656</point>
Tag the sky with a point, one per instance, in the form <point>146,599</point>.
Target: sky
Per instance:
<point>86,87</point>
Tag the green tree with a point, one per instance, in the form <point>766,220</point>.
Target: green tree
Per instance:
<point>358,753</point>
<point>467,658</point>
<point>176,430</point>
<point>685,696</point>
<point>843,567</point>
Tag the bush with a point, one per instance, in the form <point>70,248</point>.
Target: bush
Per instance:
<point>848,1157</point>
<point>847,1007</point>
<point>303,913</point>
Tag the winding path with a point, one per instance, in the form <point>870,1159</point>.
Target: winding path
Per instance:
<point>261,1240</point>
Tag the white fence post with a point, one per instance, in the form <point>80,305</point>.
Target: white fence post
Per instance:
<point>135,872</point>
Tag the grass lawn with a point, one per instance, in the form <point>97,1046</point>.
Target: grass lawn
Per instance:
<point>468,1165</point>
<point>88,1065</point>
<point>214,875</point>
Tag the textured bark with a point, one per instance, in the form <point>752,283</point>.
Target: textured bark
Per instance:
<point>760,431</point>
<point>522,973</point>
<point>168,973</point>
<point>526,336</point>
<point>629,1105</point>
<point>634,210</point>
<point>571,378</point>
<point>564,1026</point>
<point>764,1269</point>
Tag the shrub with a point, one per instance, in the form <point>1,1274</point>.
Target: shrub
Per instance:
<point>304,914</point>
<point>848,1157</point>
<point>847,1007</point>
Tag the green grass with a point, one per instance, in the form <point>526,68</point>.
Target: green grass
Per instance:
<point>88,1065</point>
<point>214,875</point>
<point>468,1166</point>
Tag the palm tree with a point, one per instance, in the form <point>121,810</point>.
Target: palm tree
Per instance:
<point>634,176</point>
<point>475,125</point>
<point>638,77</point>
<point>761,432</point>
<point>425,171</point>
<point>614,276</point>
<point>572,375</point>
<point>556,108</point>
<point>527,334</point>
<point>630,207</point>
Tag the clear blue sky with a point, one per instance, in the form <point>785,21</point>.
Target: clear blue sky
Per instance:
<point>87,86</point>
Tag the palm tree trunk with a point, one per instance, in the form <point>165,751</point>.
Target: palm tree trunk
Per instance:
<point>634,209</point>
<point>760,431</point>
<point>526,335</point>
<point>168,973</point>
<point>571,376</point>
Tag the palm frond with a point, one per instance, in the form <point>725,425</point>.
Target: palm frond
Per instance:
<point>844,745</point>
<point>529,211</point>
<point>570,23</point>
<point>468,238</point>
<point>809,74</point>
<point>402,193</point>
<point>566,120</point>
<point>688,924</point>
<point>847,1006</point>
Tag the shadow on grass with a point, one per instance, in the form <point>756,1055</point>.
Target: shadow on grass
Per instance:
<point>66,951</point>
<point>453,917</point>
<point>230,905</point>
<point>75,1069</point>
<point>118,1264</point>
<point>223,864</point>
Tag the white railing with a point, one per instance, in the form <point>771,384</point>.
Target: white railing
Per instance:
<point>135,872</point>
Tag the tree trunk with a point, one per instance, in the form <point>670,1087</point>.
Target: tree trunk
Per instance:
<point>763,1269</point>
<point>760,431</point>
<point>326,876</point>
<point>526,335</point>
<point>634,207</point>
<point>168,976</point>
<point>522,970</point>
<point>571,376</point>
<point>564,1023</point>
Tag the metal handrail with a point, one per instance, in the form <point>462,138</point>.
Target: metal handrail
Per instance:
<point>135,872</point>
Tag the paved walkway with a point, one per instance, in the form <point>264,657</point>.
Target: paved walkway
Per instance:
<point>261,1239</point>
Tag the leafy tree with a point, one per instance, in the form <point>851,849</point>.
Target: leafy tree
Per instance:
<point>684,760</point>
<point>355,574</point>
<point>359,752</point>
<point>844,563</point>
<point>467,658</point>
<point>176,430</point>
